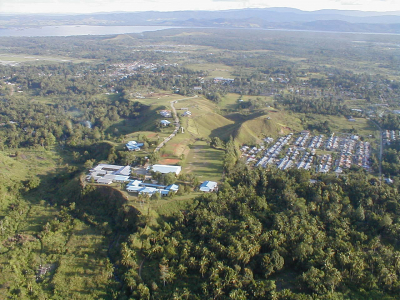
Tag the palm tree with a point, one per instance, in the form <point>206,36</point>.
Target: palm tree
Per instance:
<point>203,265</point>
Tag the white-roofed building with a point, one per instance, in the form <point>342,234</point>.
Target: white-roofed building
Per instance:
<point>165,169</point>
<point>165,123</point>
<point>166,113</point>
<point>107,172</point>
<point>104,181</point>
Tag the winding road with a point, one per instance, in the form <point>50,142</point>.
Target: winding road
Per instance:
<point>177,123</point>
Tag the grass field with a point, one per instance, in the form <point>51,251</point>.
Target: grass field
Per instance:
<point>213,70</point>
<point>230,102</point>
<point>158,99</point>
<point>204,162</point>
<point>9,59</point>
<point>340,124</point>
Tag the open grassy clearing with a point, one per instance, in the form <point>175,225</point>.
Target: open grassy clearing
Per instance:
<point>204,162</point>
<point>230,102</point>
<point>340,124</point>
<point>23,164</point>
<point>356,103</point>
<point>213,70</point>
<point>164,206</point>
<point>8,58</point>
<point>84,266</point>
<point>159,99</point>
<point>178,146</point>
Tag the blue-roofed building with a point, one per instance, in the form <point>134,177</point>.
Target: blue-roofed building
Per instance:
<point>172,188</point>
<point>148,190</point>
<point>209,186</point>
<point>164,192</point>
<point>134,146</point>
<point>165,123</point>
<point>139,187</point>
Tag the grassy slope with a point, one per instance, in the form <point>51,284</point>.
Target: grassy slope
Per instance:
<point>77,266</point>
<point>279,123</point>
<point>205,120</point>
<point>204,123</point>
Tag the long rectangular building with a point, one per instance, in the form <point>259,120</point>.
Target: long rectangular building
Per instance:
<point>165,169</point>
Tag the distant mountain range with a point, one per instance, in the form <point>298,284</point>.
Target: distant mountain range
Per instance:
<point>268,18</point>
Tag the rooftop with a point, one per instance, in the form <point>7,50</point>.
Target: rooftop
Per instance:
<point>164,169</point>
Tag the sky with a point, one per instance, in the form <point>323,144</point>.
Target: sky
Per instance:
<point>89,6</point>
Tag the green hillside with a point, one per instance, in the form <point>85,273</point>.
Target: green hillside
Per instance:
<point>273,124</point>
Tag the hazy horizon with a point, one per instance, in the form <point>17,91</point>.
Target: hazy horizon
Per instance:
<point>118,6</point>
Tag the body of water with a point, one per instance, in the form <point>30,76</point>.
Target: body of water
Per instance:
<point>70,30</point>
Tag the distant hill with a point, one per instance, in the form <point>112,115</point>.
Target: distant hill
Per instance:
<point>268,18</point>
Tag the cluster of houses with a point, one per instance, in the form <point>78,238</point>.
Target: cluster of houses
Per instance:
<point>107,174</point>
<point>363,155</point>
<point>307,160</point>
<point>325,163</point>
<point>302,153</point>
<point>251,153</point>
<point>271,155</point>
<point>332,143</point>
<point>346,153</point>
<point>389,135</point>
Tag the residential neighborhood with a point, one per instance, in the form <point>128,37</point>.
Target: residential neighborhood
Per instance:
<point>312,152</point>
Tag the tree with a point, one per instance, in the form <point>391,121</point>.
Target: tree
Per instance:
<point>169,178</point>
<point>164,273</point>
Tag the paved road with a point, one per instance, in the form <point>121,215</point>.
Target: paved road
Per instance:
<point>177,123</point>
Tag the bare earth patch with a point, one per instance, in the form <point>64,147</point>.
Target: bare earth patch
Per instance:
<point>169,161</point>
